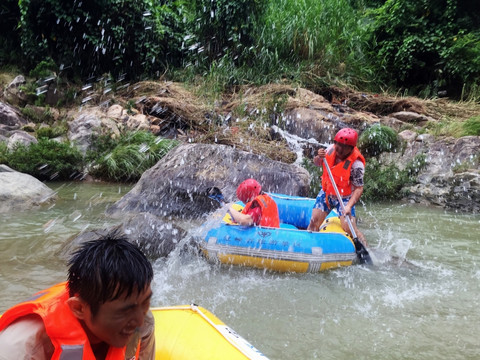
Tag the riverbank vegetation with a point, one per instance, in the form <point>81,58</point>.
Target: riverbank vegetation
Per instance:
<point>124,158</point>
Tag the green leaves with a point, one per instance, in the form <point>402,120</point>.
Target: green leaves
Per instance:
<point>46,160</point>
<point>122,159</point>
<point>96,37</point>
<point>128,157</point>
<point>387,182</point>
<point>471,127</point>
<point>422,44</point>
<point>377,139</point>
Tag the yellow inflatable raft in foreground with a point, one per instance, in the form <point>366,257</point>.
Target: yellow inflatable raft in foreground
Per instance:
<point>190,332</point>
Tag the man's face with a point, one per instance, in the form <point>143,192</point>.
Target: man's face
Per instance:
<point>116,321</point>
<point>342,151</point>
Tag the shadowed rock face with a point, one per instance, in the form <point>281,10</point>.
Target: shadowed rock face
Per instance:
<point>179,185</point>
<point>153,235</point>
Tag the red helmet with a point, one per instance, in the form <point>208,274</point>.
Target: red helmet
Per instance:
<point>347,136</point>
<point>248,189</point>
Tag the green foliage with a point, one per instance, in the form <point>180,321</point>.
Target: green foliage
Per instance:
<point>3,152</point>
<point>9,36</point>
<point>416,46</point>
<point>44,69</point>
<point>223,27</point>
<point>46,160</point>
<point>444,127</point>
<point>28,128</point>
<point>430,44</point>
<point>38,115</point>
<point>326,34</point>
<point>298,41</point>
<point>126,158</point>
<point>377,139</point>
<point>386,182</point>
<point>51,132</point>
<point>462,59</point>
<point>124,37</point>
<point>471,126</point>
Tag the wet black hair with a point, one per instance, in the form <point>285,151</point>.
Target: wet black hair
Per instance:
<point>103,270</point>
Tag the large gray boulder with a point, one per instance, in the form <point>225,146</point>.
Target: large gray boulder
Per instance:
<point>13,92</point>
<point>179,185</point>
<point>451,176</point>
<point>88,125</point>
<point>10,119</point>
<point>20,137</point>
<point>21,191</point>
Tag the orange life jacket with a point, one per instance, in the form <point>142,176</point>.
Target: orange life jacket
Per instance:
<point>269,210</point>
<point>340,172</point>
<point>63,328</point>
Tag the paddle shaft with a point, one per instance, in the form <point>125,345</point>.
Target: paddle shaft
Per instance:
<point>339,197</point>
<point>360,249</point>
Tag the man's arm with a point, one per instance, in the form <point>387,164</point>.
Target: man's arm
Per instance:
<point>26,338</point>
<point>239,218</point>
<point>357,173</point>
<point>356,193</point>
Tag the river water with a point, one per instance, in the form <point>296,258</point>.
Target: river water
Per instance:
<point>420,301</point>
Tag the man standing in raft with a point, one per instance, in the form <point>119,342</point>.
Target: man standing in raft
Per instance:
<point>260,209</point>
<point>348,166</point>
<point>100,313</point>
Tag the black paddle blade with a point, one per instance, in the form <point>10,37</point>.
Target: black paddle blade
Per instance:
<point>362,253</point>
<point>215,193</point>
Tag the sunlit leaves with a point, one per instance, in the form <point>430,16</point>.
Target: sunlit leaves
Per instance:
<point>377,139</point>
<point>126,158</point>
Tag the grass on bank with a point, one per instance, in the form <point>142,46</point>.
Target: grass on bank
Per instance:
<point>125,159</point>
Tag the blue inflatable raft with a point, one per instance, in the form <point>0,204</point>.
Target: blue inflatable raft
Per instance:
<point>288,248</point>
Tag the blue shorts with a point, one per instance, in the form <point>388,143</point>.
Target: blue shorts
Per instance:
<point>321,203</point>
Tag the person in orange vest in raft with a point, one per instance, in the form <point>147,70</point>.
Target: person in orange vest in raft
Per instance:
<point>347,166</point>
<point>260,209</point>
<point>101,312</point>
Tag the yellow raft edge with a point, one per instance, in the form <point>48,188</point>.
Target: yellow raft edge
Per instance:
<point>191,332</point>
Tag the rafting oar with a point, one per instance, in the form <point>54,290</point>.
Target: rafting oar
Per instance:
<point>360,249</point>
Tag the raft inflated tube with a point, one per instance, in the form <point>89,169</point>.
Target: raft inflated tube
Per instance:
<point>228,217</point>
<point>190,332</point>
